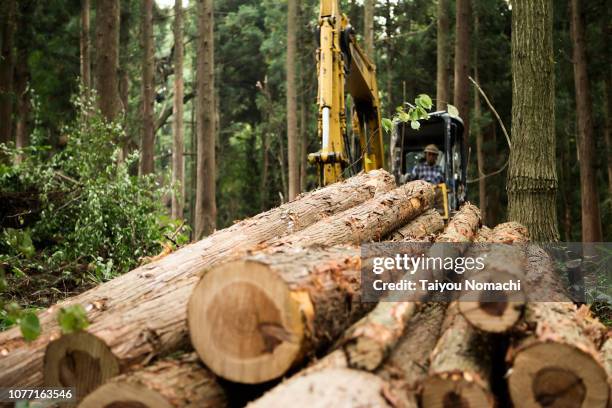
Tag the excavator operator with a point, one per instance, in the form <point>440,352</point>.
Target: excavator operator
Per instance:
<point>429,170</point>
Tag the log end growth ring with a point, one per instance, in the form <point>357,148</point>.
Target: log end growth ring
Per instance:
<point>124,395</point>
<point>79,360</point>
<point>454,390</point>
<point>557,375</point>
<point>245,323</point>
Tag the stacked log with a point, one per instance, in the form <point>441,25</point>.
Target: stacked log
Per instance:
<point>555,355</point>
<point>422,227</point>
<point>170,383</point>
<point>120,310</point>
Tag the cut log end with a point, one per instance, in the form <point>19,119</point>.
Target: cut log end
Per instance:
<point>123,395</point>
<point>494,317</point>
<point>78,360</point>
<point>454,390</point>
<point>254,324</point>
<point>557,375</point>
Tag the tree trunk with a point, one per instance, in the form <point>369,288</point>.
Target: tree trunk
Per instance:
<point>480,159</point>
<point>292,131</point>
<point>107,57</point>
<point>499,312</point>
<point>532,174</point>
<point>442,56</point>
<point>170,383</point>
<point>7,55</point>
<point>461,90</point>
<point>206,207</point>
<point>591,221</point>
<point>460,366</point>
<point>178,165</point>
<point>389,47</point>
<point>22,80</point>
<point>167,283</point>
<point>555,359</point>
<point>147,141</point>
<point>368,221</point>
<point>608,129</point>
<point>428,223</point>
<point>368,28</point>
<point>85,49</point>
<point>404,369</point>
<point>288,304</point>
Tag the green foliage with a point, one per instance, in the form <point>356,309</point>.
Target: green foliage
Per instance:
<point>72,318</point>
<point>422,103</point>
<point>30,326</point>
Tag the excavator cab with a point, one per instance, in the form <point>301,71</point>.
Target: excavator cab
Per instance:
<point>446,132</point>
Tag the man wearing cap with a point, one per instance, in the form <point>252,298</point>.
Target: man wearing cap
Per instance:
<point>429,170</point>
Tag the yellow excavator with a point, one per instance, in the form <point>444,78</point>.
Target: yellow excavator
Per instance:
<point>343,66</point>
<point>342,63</point>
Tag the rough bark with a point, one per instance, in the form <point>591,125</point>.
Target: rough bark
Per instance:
<point>461,90</point>
<point>147,139</point>
<point>7,56</point>
<point>480,157</point>
<point>396,380</point>
<point>171,383</point>
<point>532,175</point>
<point>460,366</point>
<point>591,221</point>
<point>504,259</point>
<point>368,28</point>
<point>555,354</point>
<point>253,319</point>
<point>178,164</point>
<point>206,206</point>
<point>22,80</point>
<point>107,57</point>
<point>370,221</point>
<point>422,227</point>
<point>166,283</point>
<point>442,56</point>
<point>85,49</point>
<point>292,132</point>
<point>608,129</point>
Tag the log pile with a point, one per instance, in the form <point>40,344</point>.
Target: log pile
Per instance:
<point>280,295</point>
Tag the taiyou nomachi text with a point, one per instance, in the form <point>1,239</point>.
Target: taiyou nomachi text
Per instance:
<point>440,286</point>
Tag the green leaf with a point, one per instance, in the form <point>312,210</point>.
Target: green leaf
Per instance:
<point>452,110</point>
<point>72,318</point>
<point>415,125</point>
<point>30,326</point>
<point>387,124</point>
<point>424,101</point>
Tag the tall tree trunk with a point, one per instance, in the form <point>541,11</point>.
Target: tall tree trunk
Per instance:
<point>389,46</point>
<point>482,182</point>
<point>178,165</point>
<point>303,136</point>
<point>292,134</point>
<point>22,93</point>
<point>8,13</point>
<point>368,28</point>
<point>461,90</point>
<point>147,148</point>
<point>442,91</point>
<point>107,57</point>
<point>85,51</point>
<point>206,208</point>
<point>608,129</point>
<point>591,221</point>
<point>532,174</point>
<point>126,142</point>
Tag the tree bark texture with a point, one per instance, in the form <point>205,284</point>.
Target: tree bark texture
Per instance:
<point>442,56</point>
<point>368,28</point>
<point>147,139</point>
<point>170,383</point>
<point>253,319</point>
<point>461,89</point>
<point>421,228</point>
<point>480,157</point>
<point>85,49</point>
<point>371,220</point>
<point>532,174</point>
<point>206,206</point>
<point>608,129</point>
<point>107,57</point>
<point>178,146</point>
<point>22,79</point>
<point>292,130</point>
<point>108,305</point>
<point>589,198</point>
<point>7,55</point>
